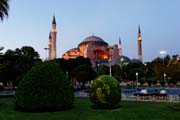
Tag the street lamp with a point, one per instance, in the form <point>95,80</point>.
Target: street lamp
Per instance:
<point>67,74</point>
<point>162,52</point>
<point>178,58</point>
<point>137,79</point>
<point>145,64</point>
<point>98,68</point>
<point>110,67</point>
<point>46,50</point>
<point>121,60</point>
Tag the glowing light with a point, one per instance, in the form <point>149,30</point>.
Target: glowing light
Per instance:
<point>162,52</point>
<point>105,56</point>
<point>139,38</point>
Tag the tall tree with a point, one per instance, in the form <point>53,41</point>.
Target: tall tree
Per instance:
<point>4,8</point>
<point>117,72</point>
<point>18,62</point>
<point>69,65</point>
<point>103,70</point>
<point>157,68</point>
<point>132,68</point>
<point>173,70</point>
<point>84,73</point>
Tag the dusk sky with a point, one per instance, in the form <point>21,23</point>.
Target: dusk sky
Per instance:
<point>29,24</point>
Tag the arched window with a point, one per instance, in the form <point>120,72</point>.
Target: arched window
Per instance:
<point>100,54</point>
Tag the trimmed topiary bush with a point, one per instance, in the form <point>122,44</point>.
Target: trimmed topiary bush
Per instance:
<point>105,92</point>
<point>44,88</point>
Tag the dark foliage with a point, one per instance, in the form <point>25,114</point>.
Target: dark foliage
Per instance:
<point>103,70</point>
<point>84,73</point>
<point>44,88</point>
<point>132,68</point>
<point>4,8</point>
<point>14,64</point>
<point>69,65</point>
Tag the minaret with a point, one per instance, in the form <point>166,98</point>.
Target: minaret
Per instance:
<point>53,39</point>
<point>50,46</point>
<point>139,45</point>
<point>120,47</point>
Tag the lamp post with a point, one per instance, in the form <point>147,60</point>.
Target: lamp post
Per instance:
<point>162,52</point>
<point>46,52</point>
<point>121,60</point>
<point>178,58</point>
<point>145,64</point>
<point>110,67</point>
<point>137,79</point>
<point>98,68</point>
<point>67,74</point>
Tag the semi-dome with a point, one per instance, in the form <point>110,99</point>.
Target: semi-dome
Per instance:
<point>124,58</point>
<point>72,50</point>
<point>94,40</point>
<point>120,59</point>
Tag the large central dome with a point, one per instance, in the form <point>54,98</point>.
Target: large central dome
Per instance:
<point>94,40</point>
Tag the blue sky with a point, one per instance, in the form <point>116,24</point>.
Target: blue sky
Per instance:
<point>29,24</point>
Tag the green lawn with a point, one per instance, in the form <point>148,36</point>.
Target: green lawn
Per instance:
<point>83,111</point>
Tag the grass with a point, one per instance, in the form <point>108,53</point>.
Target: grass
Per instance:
<point>83,111</point>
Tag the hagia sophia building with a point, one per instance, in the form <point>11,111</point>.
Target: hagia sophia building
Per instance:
<point>94,48</point>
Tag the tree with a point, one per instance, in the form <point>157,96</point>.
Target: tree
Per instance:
<point>142,81</point>
<point>1,48</point>
<point>116,72</point>
<point>103,70</point>
<point>131,69</point>
<point>173,70</point>
<point>69,65</point>
<point>4,8</point>
<point>3,72</point>
<point>27,58</point>
<point>84,73</point>
<point>157,68</point>
<point>19,62</point>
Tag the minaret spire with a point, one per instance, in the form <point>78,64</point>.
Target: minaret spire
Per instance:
<point>54,24</point>
<point>54,20</point>
<point>50,36</point>
<point>50,46</point>
<point>119,41</point>
<point>120,47</point>
<point>52,40</point>
<point>139,30</point>
<point>139,44</point>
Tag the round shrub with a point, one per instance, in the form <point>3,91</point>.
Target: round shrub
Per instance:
<point>44,88</point>
<point>105,92</point>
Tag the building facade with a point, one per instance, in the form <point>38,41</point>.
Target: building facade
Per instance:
<point>96,49</point>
